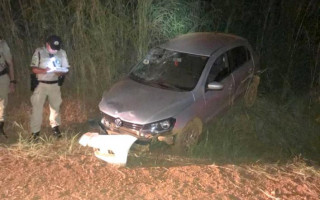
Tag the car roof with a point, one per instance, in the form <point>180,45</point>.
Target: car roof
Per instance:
<point>201,43</point>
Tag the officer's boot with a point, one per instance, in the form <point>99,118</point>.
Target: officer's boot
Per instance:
<point>1,130</point>
<point>56,132</point>
<point>35,136</point>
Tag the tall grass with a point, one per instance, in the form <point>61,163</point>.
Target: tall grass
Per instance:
<point>96,37</point>
<point>267,132</point>
<point>103,39</point>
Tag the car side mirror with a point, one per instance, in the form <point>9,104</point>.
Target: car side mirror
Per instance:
<point>215,86</point>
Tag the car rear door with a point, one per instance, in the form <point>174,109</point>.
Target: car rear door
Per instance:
<point>241,65</point>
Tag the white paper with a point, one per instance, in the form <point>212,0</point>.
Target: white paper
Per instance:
<point>58,69</point>
<point>55,66</point>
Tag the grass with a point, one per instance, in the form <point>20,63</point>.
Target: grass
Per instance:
<point>267,132</point>
<point>46,147</point>
<point>103,39</point>
<point>75,115</point>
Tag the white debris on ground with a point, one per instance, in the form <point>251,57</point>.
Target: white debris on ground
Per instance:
<point>110,148</point>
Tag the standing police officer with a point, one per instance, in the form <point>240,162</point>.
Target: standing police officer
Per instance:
<point>7,82</point>
<point>43,61</point>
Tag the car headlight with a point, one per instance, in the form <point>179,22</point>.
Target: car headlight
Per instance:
<point>159,126</point>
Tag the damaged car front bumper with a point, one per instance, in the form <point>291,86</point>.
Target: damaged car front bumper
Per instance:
<point>162,130</point>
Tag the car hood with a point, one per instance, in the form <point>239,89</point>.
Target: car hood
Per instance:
<point>141,104</point>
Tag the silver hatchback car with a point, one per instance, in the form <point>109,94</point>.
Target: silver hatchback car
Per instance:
<point>179,87</point>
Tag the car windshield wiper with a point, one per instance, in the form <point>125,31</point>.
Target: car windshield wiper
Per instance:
<point>157,83</point>
<point>164,85</point>
<point>137,78</point>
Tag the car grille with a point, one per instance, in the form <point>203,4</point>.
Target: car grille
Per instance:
<point>127,125</point>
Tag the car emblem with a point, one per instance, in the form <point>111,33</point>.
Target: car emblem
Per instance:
<point>118,122</point>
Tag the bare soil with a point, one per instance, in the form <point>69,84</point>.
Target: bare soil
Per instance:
<point>150,176</point>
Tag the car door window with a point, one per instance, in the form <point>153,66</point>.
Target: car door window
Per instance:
<point>219,70</point>
<point>237,57</point>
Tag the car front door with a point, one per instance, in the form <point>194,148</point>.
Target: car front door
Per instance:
<point>218,100</point>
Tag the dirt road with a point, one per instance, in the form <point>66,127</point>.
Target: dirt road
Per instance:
<point>83,176</point>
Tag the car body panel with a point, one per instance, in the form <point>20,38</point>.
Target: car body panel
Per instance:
<point>218,100</point>
<point>142,104</point>
<point>201,43</point>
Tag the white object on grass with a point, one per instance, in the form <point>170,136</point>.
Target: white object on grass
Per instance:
<point>110,148</point>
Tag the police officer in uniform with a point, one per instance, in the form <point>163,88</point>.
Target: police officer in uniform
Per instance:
<point>7,82</point>
<point>43,61</point>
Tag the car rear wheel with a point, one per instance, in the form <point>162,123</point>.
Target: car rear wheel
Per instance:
<point>188,137</point>
<point>252,91</point>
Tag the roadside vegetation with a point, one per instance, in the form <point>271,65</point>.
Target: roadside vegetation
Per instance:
<point>103,39</point>
<point>267,132</point>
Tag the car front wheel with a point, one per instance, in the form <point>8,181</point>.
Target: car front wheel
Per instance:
<point>188,137</point>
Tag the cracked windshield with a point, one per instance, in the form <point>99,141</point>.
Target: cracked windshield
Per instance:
<point>169,70</point>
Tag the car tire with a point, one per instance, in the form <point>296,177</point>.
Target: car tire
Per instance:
<point>252,91</point>
<point>102,131</point>
<point>188,137</point>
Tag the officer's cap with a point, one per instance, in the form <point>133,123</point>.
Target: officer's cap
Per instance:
<point>54,42</point>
